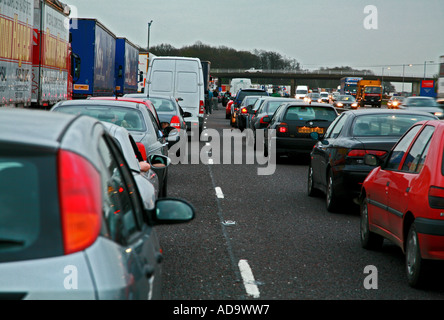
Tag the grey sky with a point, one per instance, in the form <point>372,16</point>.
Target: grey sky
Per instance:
<point>317,33</point>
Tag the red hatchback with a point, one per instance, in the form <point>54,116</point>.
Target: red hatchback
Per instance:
<point>402,200</point>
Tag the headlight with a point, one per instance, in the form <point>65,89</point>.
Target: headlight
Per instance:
<point>395,103</point>
<point>319,100</point>
<point>439,114</point>
<point>354,104</point>
<point>339,104</point>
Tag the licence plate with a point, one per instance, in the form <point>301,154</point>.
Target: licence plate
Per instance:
<point>309,130</point>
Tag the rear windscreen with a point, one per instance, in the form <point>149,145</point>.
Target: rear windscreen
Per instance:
<point>29,216</point>
<point>131,119</point>
<point>309,113</point>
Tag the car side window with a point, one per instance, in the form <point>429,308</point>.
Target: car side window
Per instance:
<point>415,159</point>
<point>335,128</point>
<point>122,210</point>
<point>401,148</point>
<point>155,125</point>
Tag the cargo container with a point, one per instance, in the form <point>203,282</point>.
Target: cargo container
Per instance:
<point>96,47</point>
<point>35,54</point>
<point>127,64</point>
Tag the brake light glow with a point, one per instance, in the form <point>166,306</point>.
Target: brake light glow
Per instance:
<point>80,201</point>
<point>283,128</point>
<point>361,153</point>
<point>436,197</point>
<point>244,110</point>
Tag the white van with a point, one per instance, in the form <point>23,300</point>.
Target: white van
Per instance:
<point>182,78</point>
<point>301,92</point>
<point>239,83</point>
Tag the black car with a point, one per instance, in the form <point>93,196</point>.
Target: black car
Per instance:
<point>264,109</point>
<point>337,166</point>
<point>343,102</point>
<point>294,122</point>
<point>242,93</point>
<point>243,114</point>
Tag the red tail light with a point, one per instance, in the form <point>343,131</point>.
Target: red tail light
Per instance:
<point>244,110</point>
<point>80,201</point>
<point>142,149</point>
<point>201,107</point>
<point>361,153</point>
<point>175,122</point>
<point>283,128</point>
<point>436,197</point>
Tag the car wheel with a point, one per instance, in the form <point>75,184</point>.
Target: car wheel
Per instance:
<point>331,198</point>
<point>369,240</point>
<point>415,265</point>
<point>311,190</point>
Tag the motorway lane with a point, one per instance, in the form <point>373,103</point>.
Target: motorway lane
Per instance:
<point>294,247</point>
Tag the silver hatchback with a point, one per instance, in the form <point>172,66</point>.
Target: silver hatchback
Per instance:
<point>73,224</point>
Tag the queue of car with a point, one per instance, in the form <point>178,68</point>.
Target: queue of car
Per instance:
<point>84,210</point>
<point>388,161</point>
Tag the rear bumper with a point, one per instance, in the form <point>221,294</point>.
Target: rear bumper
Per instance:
<point>291,146</point>
<point>431,238</point>
<point>348,181</point>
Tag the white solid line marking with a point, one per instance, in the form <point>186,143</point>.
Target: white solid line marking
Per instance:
<point>248,278</point>
<point>219,192</point>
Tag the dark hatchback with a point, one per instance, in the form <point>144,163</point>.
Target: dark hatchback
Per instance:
<point>337,166</point>
<point>294,122</point>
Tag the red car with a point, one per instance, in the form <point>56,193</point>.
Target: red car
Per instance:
<point>402,200</point>
<point>228,109</point>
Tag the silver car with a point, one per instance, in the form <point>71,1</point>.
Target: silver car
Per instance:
<point>135,117</point>
<point>73,224</point>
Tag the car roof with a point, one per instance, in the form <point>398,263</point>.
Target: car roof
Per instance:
<point>33,126</point>
<point>98,102</point>
<point>378,111</point>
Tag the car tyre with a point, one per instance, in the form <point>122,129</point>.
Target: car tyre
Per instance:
<point>416,267</point>
<point>369,240</point>
<point>331,198</point>
<point>311,190</point>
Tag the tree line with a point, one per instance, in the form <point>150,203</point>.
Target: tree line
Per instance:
<point>223,57</point>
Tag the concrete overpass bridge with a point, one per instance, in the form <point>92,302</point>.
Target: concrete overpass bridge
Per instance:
<point>295,77</point>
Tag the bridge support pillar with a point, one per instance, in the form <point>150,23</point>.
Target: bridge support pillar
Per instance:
<point>293,88</point>
<point>416,88</point>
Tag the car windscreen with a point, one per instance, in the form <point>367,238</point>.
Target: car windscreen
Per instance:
<point>163,105</point>
<point>273,105</point>
<point>309,113</point>
<point>131,119</point>
<point>385,124</point>
<point>29,216</point>
<point>347,98</point>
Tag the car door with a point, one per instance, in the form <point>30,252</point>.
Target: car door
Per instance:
<point>320,156</point>
<point>159,144</point>
<point>405,180</point>
<point>125,225</point>
<point>388,177</point>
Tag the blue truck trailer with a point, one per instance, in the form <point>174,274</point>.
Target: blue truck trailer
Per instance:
<point>127,65</point>
<point>95,45</point>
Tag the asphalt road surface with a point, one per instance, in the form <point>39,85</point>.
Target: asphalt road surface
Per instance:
<point>262,238</point>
